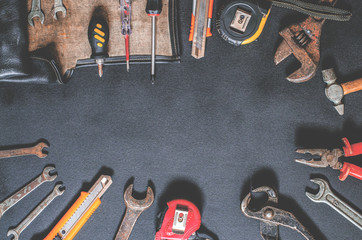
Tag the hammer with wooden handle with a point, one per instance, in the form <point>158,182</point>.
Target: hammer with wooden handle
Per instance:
<point>335,92</point>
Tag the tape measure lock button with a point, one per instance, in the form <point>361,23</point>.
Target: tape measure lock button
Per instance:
<point>241,22</point>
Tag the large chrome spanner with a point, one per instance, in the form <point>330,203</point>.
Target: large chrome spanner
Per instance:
<point>25,223</point>
<point>35,12</point>
<point>16,197</point>
<point>325,195</point>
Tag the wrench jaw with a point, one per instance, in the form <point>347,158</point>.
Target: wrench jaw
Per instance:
<point>58,189</point>
<point>320,195</point>
<point>32,15</point>
<point>14,233</point>
<point>138,204</point>
<point>40,151</point>
<point>59,9</point>
<point>46,174</point>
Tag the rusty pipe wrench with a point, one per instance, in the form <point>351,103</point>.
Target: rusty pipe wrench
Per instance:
<point>16,197</point>
<point>134,209</point>
<point>35,12</point>
<point>270,216</point>
<point>335,92</point>
<point>325,195</point>
<point>37,150</point>
<point>59,7</point>
<point>30,218</point>
<point>303,40</point>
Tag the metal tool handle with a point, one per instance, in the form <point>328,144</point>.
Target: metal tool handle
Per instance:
<point>36,212</point>
<point>344,209</point>
<point>126,226</point>
<point>352,86</point>
<point>350,169</point>
<point>351,149</point>
<point>36,150</point>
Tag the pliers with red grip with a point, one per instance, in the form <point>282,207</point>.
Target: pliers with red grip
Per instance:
<point>331,158</point>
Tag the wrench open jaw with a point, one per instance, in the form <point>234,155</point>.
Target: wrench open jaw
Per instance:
<point>35,12</point>
<point>135,207</point>
<point>320,196</point>
<point>303,41</point>
<point>59,7</point>
<point>270,216</point>
<point>325,195</point>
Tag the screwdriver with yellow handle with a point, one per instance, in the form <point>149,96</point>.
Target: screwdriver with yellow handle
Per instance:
<point>71,223</point>
<point>98,36</point>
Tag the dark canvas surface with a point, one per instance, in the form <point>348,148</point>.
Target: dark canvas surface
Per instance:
<point>203,132</point>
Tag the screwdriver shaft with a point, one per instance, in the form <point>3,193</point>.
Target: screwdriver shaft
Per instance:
<point>153,49</point>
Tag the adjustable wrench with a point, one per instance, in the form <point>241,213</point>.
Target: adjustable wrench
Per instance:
<point>25,223</point>
<point>325,195</point>
<point>16,197</point>
<point>35,12</point>
<point>59,7</point>
<point>133,211</point>
<point>35,150</point>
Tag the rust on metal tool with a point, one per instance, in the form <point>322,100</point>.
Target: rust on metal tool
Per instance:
<point>303,40</point>
<point>16,197</point>
<point>134,209</point>
<point>270,216</point>
<point>37,150</point>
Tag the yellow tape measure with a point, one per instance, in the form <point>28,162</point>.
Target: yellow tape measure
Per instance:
<point>241,22</point>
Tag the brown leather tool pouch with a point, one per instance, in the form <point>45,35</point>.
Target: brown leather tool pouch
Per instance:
<point>68,35</point>
<point>17,65</point>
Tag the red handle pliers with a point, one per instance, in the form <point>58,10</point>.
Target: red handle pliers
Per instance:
<point>331,158</point>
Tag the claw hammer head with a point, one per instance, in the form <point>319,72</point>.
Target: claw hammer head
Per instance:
<point>334,91</point>
<point>136,204</point>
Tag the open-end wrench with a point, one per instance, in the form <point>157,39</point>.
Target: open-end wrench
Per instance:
<point>325,195</point>
<point>35,12</point>
<point>35,150</point>
<point>25,223</point>
<point>134,209</point>
<point>59,7</point>
<point>16,197</point>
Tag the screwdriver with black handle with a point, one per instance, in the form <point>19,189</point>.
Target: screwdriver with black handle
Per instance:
<point>98,35</point>
<point>153,9</point>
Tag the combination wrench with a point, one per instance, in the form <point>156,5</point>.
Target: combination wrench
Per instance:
<point>325,195</point>
<point>30,218</point>
<point>37,150</point>
<point>35,12</point>
<point>16,197</point>
<point>59,7</point>
<point>134,209</point>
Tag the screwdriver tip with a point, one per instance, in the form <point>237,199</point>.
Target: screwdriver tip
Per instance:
<point>127,66</point>
<point>100,69</point>
<point>152,79</point>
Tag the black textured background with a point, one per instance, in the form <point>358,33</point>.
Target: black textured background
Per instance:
<point>203,132</point>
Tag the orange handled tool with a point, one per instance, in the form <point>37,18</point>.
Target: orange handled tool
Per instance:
<point>193,18</point>
<point>75,218</point>
<point>351,87</point>
<point>330,158</point>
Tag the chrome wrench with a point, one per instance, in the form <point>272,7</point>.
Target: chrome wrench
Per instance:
<point>35,12</point>
<point>36,150</point>
<point>325,195</point>
<point>30,218</point>
<point>59,7</point>
<point>16,197</point>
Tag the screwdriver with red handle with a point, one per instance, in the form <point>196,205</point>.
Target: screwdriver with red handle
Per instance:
<point>153,9</point>
<point>330,158</point>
